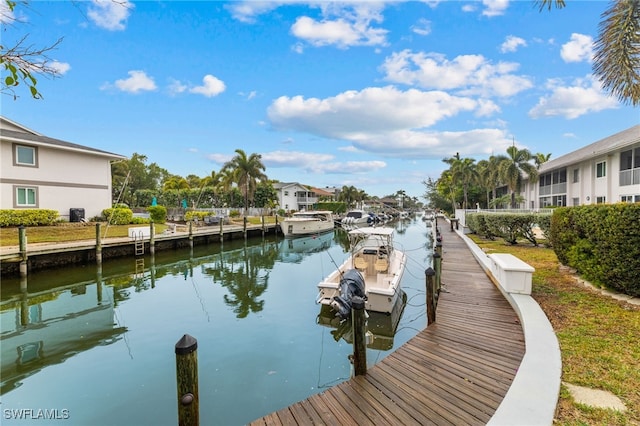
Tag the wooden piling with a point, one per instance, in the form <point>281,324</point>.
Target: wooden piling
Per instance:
<point>276,230</point>
<point>431,301</point>
<point>221,234</point>
<point>191,234</point>
<point>439,248</point>
<point>244,226</point>
<point>359,326</point>
<point>437,265</point>
<point>152,238</point>
<point>98,243</point>
<point>22,237</point>
<point>187,379</point>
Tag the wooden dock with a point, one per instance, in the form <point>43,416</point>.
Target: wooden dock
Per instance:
<point>456,371</point>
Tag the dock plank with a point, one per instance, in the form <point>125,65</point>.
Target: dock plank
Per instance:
<point>456,371</point>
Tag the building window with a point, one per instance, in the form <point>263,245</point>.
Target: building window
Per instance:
<point>26,197</point>
<point>25,155</point>
<point>576,175</point>
<point>601,200</point>
<point>286,193</point>
<point>575,201</point>
<point>626,198</point>
<point>601,169</point>
<point>626,160</point>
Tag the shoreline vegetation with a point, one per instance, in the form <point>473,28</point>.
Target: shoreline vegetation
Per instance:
<point>597,334</point>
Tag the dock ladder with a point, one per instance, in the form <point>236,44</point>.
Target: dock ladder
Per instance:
<point>138,240</point>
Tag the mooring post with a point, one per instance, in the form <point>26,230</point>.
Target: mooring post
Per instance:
<point>98,243</point>
<point>359,336</point>
<point>22,237</point>
<point>439,248</point>
<point>221,235</point>
<point>244,226</point>
<point>431,302</point>
<point>437,265</point>
<point>276,223</point>
<point>152,238</point>
<point>187,379</point>
<point>191,233</point>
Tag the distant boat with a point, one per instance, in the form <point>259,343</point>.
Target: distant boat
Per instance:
<point>356,217</point>
<point>373,271</point>
<point>307,223</point>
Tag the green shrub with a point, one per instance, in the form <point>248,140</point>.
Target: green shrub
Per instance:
<point>234,213</point>
<point>192,215</point>
<point>602,242</point>
<point>158,214</point>
<point>28,217</point>
<point>139,220</point>
<point>118,215</point>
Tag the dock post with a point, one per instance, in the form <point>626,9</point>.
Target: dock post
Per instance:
<point>152,238</point>
<point>191,233</point>
<point>244,226</point>
<point>263,225</point>
<point>276,224</point>
<point>439,248</point>
<point>187,378</point>
<point>22,237</point>
<point>359,336</point>
<point>431,301</point>
<point>437,265</point>
<point>221,234</point>
<point>98,243</point>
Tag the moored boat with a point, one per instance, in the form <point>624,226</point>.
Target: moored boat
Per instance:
<point>307,223</point>
<point>373,270</point>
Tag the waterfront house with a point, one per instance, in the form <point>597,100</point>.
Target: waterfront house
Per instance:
<point>606,171</point>
<point>293,196</point>
<point>40,172</point>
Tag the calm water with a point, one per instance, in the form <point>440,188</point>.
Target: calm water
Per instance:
<point>97,347</point>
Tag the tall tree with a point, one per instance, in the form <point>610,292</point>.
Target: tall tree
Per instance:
<point>247,171</point>
<point>463,173</point>
<point>539,159</point>
<point>512,170</point>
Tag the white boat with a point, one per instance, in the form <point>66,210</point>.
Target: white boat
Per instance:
<point>356,217</point>
<point>373,269</point>
<point>307,223</point>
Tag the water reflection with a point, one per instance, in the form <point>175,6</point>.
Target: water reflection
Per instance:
<point>251,304</point>
<point>43,328</point>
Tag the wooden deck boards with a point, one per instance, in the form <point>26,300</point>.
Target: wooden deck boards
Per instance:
<point>454,372</point>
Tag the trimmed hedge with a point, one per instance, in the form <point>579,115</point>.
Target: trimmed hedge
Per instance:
<point>118,216</point>
<point>28,217</point>
<point>602,242</point>
<point>158,214</point>
<point>509,226</point>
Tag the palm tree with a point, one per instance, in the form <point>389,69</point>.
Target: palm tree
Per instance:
<point>349,195</point>
<point>513,168</point>
<point>616,50</point>
<point>464,173</point>
<point>539,159</point>
<point>246,172</point>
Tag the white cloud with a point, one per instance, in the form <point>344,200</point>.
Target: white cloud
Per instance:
<point>296,159</point>
<point>219,158</point>
<point>138,81</point>
<point>60,67</point>
<point>470,74</point>
<point>247,11</point>
<point>348,167</point>
<point>584,96</point>
<point>511,44</point>
<point>422,27</point>
<point>110,15</point>
<point>340,32</point>
<point>176,87</point>
<point>212,86</point>
<point>578,49</point>
<point>389,122</point>
<point>354,115</point>
<point>494,7</point>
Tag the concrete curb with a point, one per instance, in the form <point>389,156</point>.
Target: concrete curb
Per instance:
<point>533,395</point>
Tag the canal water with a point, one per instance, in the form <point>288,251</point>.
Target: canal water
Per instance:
<point>89,346</point>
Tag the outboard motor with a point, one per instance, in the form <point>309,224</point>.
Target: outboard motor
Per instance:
<point>351,284</point>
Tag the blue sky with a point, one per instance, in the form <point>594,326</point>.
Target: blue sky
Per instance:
<point>369,94</point>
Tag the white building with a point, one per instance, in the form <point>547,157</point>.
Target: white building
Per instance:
<point>293,196</point>
<point>39,172</point>
<point>606,171</point>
